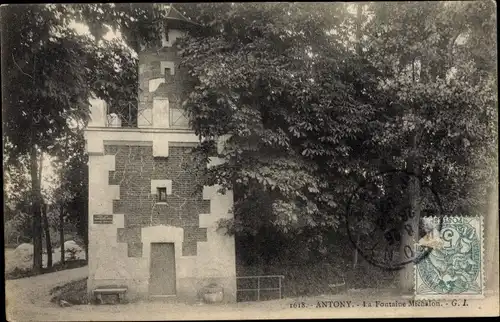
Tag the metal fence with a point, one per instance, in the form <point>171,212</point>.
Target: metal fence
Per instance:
<point>122,115</point>
<point>261,287</point>
<point>127,115</point>
<point>178,118</point>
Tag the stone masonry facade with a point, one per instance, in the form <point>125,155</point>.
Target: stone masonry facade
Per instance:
<point>162,67</point>
<point>175,87</point>
<point>135,167</point>
<point>126,168</point>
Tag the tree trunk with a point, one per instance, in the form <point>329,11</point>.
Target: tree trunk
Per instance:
<point>36,208</point>
<point>48,243</point>
<point>45,220</point>
<point>355,258</point>
<point>409,233</point>
<point>61,232</point>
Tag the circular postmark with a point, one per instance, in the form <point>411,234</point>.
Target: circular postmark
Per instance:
<point>384,218</point>
<point>453,269</point>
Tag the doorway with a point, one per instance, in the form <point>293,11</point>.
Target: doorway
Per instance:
<point>162,279</point>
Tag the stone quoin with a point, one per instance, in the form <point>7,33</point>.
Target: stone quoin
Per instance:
<point>166,247</point>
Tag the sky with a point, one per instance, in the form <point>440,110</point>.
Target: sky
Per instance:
<point>83,29</point>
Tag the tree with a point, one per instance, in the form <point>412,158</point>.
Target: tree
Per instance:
<point>443,95</point>
<point>309,112</point>
<point>50,73</point>
<point>16,199</point>
<point>268,76</point>
<point>16,182</point>
<point>45,220</point>
<point>62,195</point>
<point>295,100</point>
<point>71,194</point>
<point>41,96</point>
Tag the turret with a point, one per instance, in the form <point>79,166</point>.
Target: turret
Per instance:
<point>162,85</point>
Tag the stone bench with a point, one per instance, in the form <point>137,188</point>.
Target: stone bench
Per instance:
<point>119,291</point>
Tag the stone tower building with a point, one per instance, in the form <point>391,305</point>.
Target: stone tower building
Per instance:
<point>148,228</point>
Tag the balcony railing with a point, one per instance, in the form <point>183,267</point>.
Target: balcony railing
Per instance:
<point>129,115</point>
<point>122,115</point>
<point>178,118</point>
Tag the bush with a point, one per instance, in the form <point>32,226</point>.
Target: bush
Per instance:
<point>17,229</point>
<point>313,279</point>
<point>74,292</point>
<point>17,273</point>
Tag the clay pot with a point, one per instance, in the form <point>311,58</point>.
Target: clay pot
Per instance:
<point>213,294</point>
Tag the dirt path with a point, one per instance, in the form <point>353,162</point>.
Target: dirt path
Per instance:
<point>28,300</point>
<point>29,294</point>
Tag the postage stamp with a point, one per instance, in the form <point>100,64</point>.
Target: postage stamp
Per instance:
<point>454,267</point>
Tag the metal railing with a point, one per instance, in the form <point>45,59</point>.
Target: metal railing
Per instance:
<point>121,115</point>
<point>125,115</point>
<point>259,288</point>
<point>128,115</point>
<point>178,118</point>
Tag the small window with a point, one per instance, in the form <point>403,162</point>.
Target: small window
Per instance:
<point>167,73</point>
<point>162,194</point>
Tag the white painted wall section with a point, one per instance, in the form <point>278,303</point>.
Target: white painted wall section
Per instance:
<point>160,112</point>
<point>161,184</point>
<point>173,34</point>
<point>97,113</point>
<point>154,83</point>
<point>224,264</point>
<point>145,118</point>
<point>167,64</point>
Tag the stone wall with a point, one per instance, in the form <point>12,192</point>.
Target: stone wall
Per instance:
<point>123,183</point>
<point>126,166</point>
<point>135,168</point>
<point>160,76</point>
